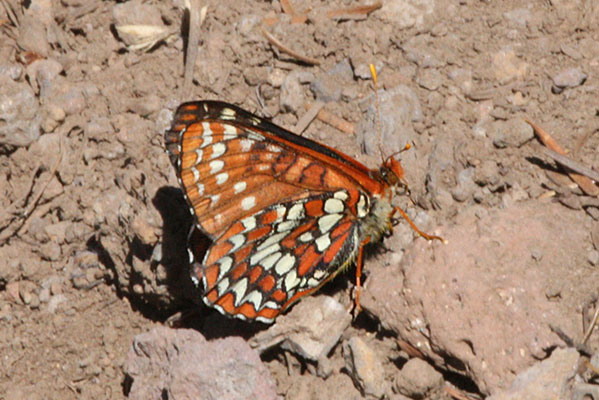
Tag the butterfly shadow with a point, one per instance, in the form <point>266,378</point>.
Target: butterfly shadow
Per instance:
<point>187,308</point>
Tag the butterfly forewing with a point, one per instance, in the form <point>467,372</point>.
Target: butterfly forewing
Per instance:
<point>282,211</point>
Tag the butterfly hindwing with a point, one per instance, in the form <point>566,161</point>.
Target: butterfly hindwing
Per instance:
<point>268,260</point>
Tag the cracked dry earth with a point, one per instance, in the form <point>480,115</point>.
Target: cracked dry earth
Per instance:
<point>93,225</point>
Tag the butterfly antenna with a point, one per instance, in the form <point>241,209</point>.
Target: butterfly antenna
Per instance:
<point>378,109</point>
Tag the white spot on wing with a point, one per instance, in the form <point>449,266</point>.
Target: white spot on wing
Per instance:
<point>254,297</point>
<point>239,187</point>
<point>222,286</point>
<point>196,174</point>
<point>284,265</point>
<point>206,129</point>
<point>306,237</point>
<point>261,254</point>
<point>214,199</point>
<point>318,274</point>
<point>200,189</point>
<point>206,141</point>
<point>280,212</point>
<point>341,195</point>
<point>221,178</point>
<point>296,211</point>
<point>271,304</point>
<point>218,150</point>
<point>227,113</point>
<point>272,239</point>
<point>286,226</point>
<point>361,206</point>
<point>239,288</point>
<point>333,206</point>
<point>269,261</point>
<point>323,242</point>
<point>248,202</point>
<point>246,145</point>
<point>249,223</point>
<point>224,265</point>
<point>326,222</point>
<point>216,166</point>
<point>230,129</point>
<point>255,136</point>
<point>291,280</point>
<point>237,241</point>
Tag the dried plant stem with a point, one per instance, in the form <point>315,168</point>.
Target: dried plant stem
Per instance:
<point>582,181</point>
<point>275,42</point>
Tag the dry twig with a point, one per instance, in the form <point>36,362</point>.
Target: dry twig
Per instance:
<point>591,327</point>
<point>336,122</point>
<point>308,117</point>
<point>357,12</point>
<point>571,164</point>
<point>275,42</point>
<point>583,182</point>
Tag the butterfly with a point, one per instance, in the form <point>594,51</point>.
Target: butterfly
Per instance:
<point>284,214</point>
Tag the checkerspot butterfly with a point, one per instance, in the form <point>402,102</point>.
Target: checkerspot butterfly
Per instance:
<point>284,214</point>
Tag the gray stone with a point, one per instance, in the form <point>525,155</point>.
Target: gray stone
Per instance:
<point>568,78</point>
<point>310,329</point>
<point>329,86</point>
<point>544,380</point>
<point>365,367</point>
<point>511,133</point>
<point>180,364</point>
<point>19,113</point>
<point>418,379</point>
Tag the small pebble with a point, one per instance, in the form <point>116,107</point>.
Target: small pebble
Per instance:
<point>568,78</point>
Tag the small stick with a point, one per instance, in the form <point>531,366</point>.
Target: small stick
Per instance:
<point>308,117</point>
<point>585,183</point>
<point>354,12</point>
<point>336,122</point>
<point>591,327</point>
<point>571,164</point>
<point>275,42</point>
<point>196,17</point>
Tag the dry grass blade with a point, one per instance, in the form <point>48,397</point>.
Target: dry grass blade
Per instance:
<point>582,181</point>
<point>275,42</point>
<point>196,17</point>
<point>357,12</point>
<point>10,12</point>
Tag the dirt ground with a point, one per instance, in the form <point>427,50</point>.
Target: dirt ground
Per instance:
<point>93,225</point>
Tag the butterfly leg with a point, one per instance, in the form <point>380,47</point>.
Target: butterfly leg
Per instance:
<point>413,225</point>
<point>359,263</point>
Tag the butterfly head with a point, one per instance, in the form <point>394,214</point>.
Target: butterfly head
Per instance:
<point>392,173</point>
